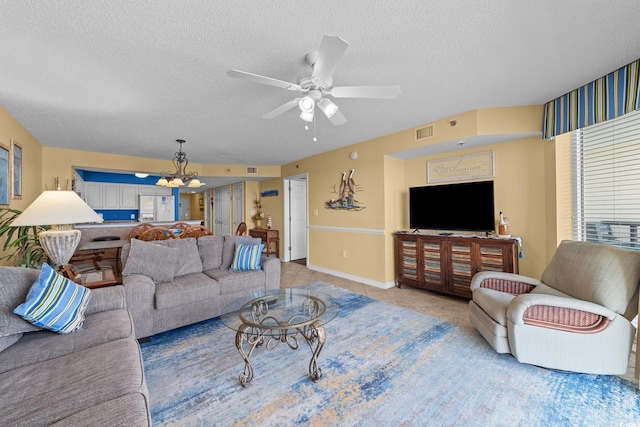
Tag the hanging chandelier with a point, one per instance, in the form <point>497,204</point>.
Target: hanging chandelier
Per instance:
<point>180,176</point>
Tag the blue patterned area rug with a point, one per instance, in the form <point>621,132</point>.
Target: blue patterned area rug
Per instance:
<point>382,365</point>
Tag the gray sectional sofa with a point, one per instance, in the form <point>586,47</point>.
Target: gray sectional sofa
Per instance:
<point>176,282</point>
<point>91,377</point>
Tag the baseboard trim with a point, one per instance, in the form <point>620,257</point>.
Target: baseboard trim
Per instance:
<point>364,280</point>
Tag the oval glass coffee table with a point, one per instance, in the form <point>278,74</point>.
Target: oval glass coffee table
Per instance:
<point>282,316</point>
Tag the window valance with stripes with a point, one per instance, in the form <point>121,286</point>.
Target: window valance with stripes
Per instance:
<point>606,98</point>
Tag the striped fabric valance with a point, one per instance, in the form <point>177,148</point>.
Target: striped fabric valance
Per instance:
<point>604,99</point>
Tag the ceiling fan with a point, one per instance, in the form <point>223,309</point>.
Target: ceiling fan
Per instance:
<point>317,87</point>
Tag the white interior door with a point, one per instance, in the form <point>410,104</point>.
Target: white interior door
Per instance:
<point>238,206</point>
<point>184,208</point>
<point>222,211</point>
<point>207,209</point>
<point>298,219</point>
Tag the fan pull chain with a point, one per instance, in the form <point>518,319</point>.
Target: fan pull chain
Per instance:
<point>314,129</point>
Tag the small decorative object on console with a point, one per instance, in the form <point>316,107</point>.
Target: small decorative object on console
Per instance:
<point>504,227</point>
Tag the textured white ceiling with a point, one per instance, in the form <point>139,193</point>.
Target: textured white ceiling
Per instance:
<point>131,76</point>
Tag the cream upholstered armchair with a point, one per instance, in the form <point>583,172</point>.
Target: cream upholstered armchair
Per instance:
<point>576,318</point>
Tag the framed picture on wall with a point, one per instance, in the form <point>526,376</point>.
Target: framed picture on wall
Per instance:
<point>5,183</point>
<point>16,170</point>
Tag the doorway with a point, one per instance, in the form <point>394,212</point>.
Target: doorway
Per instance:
<point>184,208</point>
<point>295,213</point>
<point>228,208</point>
<point>222,211</point>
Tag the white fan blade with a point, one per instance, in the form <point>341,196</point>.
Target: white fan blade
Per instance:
<point>281,109</point>
<point>256,78</point>
<point>338,118</point>
<point>380,92</point>
<point>331,50</point>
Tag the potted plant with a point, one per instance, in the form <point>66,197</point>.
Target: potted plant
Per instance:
<point>21,244</point>
<point>258,215</point>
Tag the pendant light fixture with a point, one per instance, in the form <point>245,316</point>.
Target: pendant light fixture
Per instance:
<point>180,176</point>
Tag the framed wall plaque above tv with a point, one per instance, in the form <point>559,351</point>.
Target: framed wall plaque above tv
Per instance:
<point>461,168</point>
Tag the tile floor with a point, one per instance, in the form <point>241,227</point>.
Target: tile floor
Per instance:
<point>451,309</point>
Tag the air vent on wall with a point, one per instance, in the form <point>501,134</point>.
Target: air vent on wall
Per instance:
<point>423,133</point>
<point>252,170</point>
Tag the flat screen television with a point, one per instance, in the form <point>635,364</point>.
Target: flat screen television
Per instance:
<point>462,207</point>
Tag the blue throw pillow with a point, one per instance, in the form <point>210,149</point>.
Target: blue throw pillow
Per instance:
<point>55,303</point>
<point>247,257</point>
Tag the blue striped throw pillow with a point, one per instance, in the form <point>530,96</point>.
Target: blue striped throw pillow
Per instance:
<point>55,303</point>
<point>247,257</point>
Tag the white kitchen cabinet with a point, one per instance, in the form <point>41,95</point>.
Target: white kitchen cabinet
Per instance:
<point>154,190</point>
<point>129,196</point>
<point>93,194</point>
<point>110,196</point>
<point>162,191</point>
<point>78,185</point>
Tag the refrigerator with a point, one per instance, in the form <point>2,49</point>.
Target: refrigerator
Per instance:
<point>156,209</point>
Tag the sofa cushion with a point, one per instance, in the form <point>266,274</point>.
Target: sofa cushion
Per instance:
<point>55,302</point>
<point>247,257</point>
<point>188,255</point>
<point>16,282</point>
<point>39,346</point>
<point>602,274</point>
<point>494,303</point>
<point>9,340</point>
<point>232,281</point>
<point>210,248</point>
<point>158,262</point>
<point>47,392</point>
<point>229,248</point>
<point>185,289</point>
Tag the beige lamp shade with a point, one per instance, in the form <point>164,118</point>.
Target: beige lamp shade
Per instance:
<point>56,207</point>
<point>59,209</point>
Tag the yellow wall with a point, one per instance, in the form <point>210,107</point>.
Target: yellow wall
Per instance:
<point>360,244</point>
<point>251,193</point>
<point>561,163</point>
<point>32,179</point>
<point>61,162</point>
<point>32,183</point>
<point>519,186</point>
<point>194,206</point>
<point>396,203</point>
<point>273,206</point>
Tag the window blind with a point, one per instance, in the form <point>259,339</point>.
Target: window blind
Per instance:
<point>606,187</point>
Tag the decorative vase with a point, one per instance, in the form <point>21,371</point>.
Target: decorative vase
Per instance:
<point>258,223</point>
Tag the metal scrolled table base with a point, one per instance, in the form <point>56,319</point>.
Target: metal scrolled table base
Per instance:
<point>314,334</point>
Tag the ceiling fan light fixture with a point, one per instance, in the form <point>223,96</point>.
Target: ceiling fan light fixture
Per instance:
<point>327,107</point>
<point>307,104</point>
<point>307,116</point>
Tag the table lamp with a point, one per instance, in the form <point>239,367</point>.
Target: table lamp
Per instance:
<point>59,209</point>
